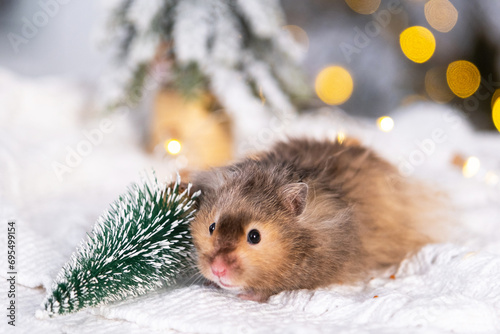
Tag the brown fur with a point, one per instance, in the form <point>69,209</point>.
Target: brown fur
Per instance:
<point>356,214</point>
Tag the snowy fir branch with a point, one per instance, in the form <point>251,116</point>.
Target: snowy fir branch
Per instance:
<point>142,242</point>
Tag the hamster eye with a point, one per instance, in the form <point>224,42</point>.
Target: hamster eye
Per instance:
<point>253,237</point>
<point>211,228</point>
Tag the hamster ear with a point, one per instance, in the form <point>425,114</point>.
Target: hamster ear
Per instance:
<point>295,197</point>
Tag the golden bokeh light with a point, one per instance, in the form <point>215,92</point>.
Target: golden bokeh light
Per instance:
<point>496,114</point>
<point>441,15</point>
<point>471,167</point>
<point>299,35</point>
<point>495,97</point>
<point>463,78</point>
<point>364,6</point>
<point>385,123</point>
<point>417,43</point>
<point>340,137</point>
<point>436,85</point>
<point>173,146</point>
<point>334,85</point>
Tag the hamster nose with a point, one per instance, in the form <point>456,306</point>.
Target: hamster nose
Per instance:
<point>218,267</point>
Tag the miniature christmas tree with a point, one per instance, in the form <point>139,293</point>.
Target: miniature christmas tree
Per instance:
<point>141,243</point>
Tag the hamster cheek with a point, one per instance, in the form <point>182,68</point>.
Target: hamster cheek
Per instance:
<point>262,263</point>
<point>204,247</point>
<point>204,267</point>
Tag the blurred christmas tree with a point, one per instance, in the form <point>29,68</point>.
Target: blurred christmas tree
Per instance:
<point>235,50</point>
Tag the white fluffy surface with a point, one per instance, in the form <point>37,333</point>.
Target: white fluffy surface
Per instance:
<point>452,287</point>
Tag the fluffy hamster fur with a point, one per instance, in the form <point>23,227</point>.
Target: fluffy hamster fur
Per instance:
<point>326,212</point>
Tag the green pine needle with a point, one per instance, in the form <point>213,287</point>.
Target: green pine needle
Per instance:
<point>142,242</point>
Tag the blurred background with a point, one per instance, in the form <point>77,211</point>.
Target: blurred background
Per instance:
<point>197,83</point>
<point>449,54</point>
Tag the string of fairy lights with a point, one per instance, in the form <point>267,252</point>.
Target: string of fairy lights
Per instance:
<point>334,84</point>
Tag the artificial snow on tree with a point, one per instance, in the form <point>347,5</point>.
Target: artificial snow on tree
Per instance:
<point>235,49</point>
<point>142,242</point>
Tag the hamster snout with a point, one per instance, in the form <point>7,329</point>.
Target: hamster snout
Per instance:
<point>219,267</point>
<point>223,271</point>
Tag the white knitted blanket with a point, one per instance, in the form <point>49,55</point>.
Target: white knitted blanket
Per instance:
<point>452,287</point>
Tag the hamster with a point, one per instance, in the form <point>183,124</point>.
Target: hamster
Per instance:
<point>306,214</point>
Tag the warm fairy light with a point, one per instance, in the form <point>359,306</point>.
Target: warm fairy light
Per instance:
<point>491,179</point>
<point>495,114</point>
<point>471,167</point>
<point>436,85</point>
<point>463,78</point>
<point>495,97</point>
<point>334,85</point>
<point>385,123</point>
<point>417,43</point>
<point>340,137</point>
<point>299,35</point>
<point>441,15</point>
<point>173,146</point>
<point>363,6</point>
